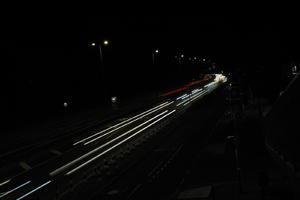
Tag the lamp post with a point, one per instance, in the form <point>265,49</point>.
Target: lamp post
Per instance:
<point>100,45</point>
<point>105,43</point>
<point>155,52</point>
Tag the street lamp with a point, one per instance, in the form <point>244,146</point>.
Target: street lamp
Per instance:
<point>156,51</point>
<point>105,43</point>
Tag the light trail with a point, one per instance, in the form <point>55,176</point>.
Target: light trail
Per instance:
<point>190,98</point>
<point>109,128</point>
<point>16,188</point>
<point>34,190</point>
<point>194,98</point>
<point>101,136</point>
<point>114,146</point>
<point>4,182</point>
<point>57,171</point>
<point>182,97</point>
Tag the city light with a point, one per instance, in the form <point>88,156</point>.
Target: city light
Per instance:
<point>93,44</point>
<point>105,42</point>
<point>156,51</point>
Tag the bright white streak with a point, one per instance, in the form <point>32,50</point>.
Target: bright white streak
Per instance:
<point>3,183</point>
<point>101,136</point>
<point>53,173</point>
<point>194,98</point>
<point>104,152</point>
<point>83,140</point>
<point>189,98</point>
<point>32,191</point>
<point>181,96</point>
<point>16,188</point>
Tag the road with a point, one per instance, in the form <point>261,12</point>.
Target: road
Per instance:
<point>67,158</point>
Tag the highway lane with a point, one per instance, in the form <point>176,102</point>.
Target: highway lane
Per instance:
<point>85,150</point>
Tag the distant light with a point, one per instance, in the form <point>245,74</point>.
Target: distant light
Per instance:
<point>204,59</point>
<point>195,58</point>
<point>65,104</point>
<point>105,42</point>
<point>114,99</point>
<point>156,51</point>
<point>182,55</point>
<point>93,44</point>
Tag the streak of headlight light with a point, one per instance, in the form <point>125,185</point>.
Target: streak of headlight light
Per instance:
<point>3,183</point>
<point>181,96</point>
<point>16,188</point>
<point>196,97</point>
<point>126,131</point>
<point>187,96</point>
<point>104,152</point>
<point>34,190</point>
<point>101,136</point>
<point>80,141</point>
<point>189,99</point>
<point>194,91</point>
<point>208,84</point>
<point>53,173</point>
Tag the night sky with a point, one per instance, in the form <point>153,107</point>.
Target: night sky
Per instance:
<point>48,60</point>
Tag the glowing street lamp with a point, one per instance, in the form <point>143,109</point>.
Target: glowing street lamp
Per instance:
<point>100,46</point>
<point>105,42</point>
<point>156,51</point>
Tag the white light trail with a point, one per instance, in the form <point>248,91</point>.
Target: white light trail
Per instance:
<point>194,98</point>
<point>16,188</point>
<point>3,183</point>
<point>114,146</point>
<point>32,191</point>
<point>182,97</point>
<point>83,140</point>
<point>101,136</point>
<point>53,173</point>
<point>190,98</point>
<point>127,132</point>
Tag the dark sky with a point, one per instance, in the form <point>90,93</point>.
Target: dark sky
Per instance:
<point>49,58</point>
